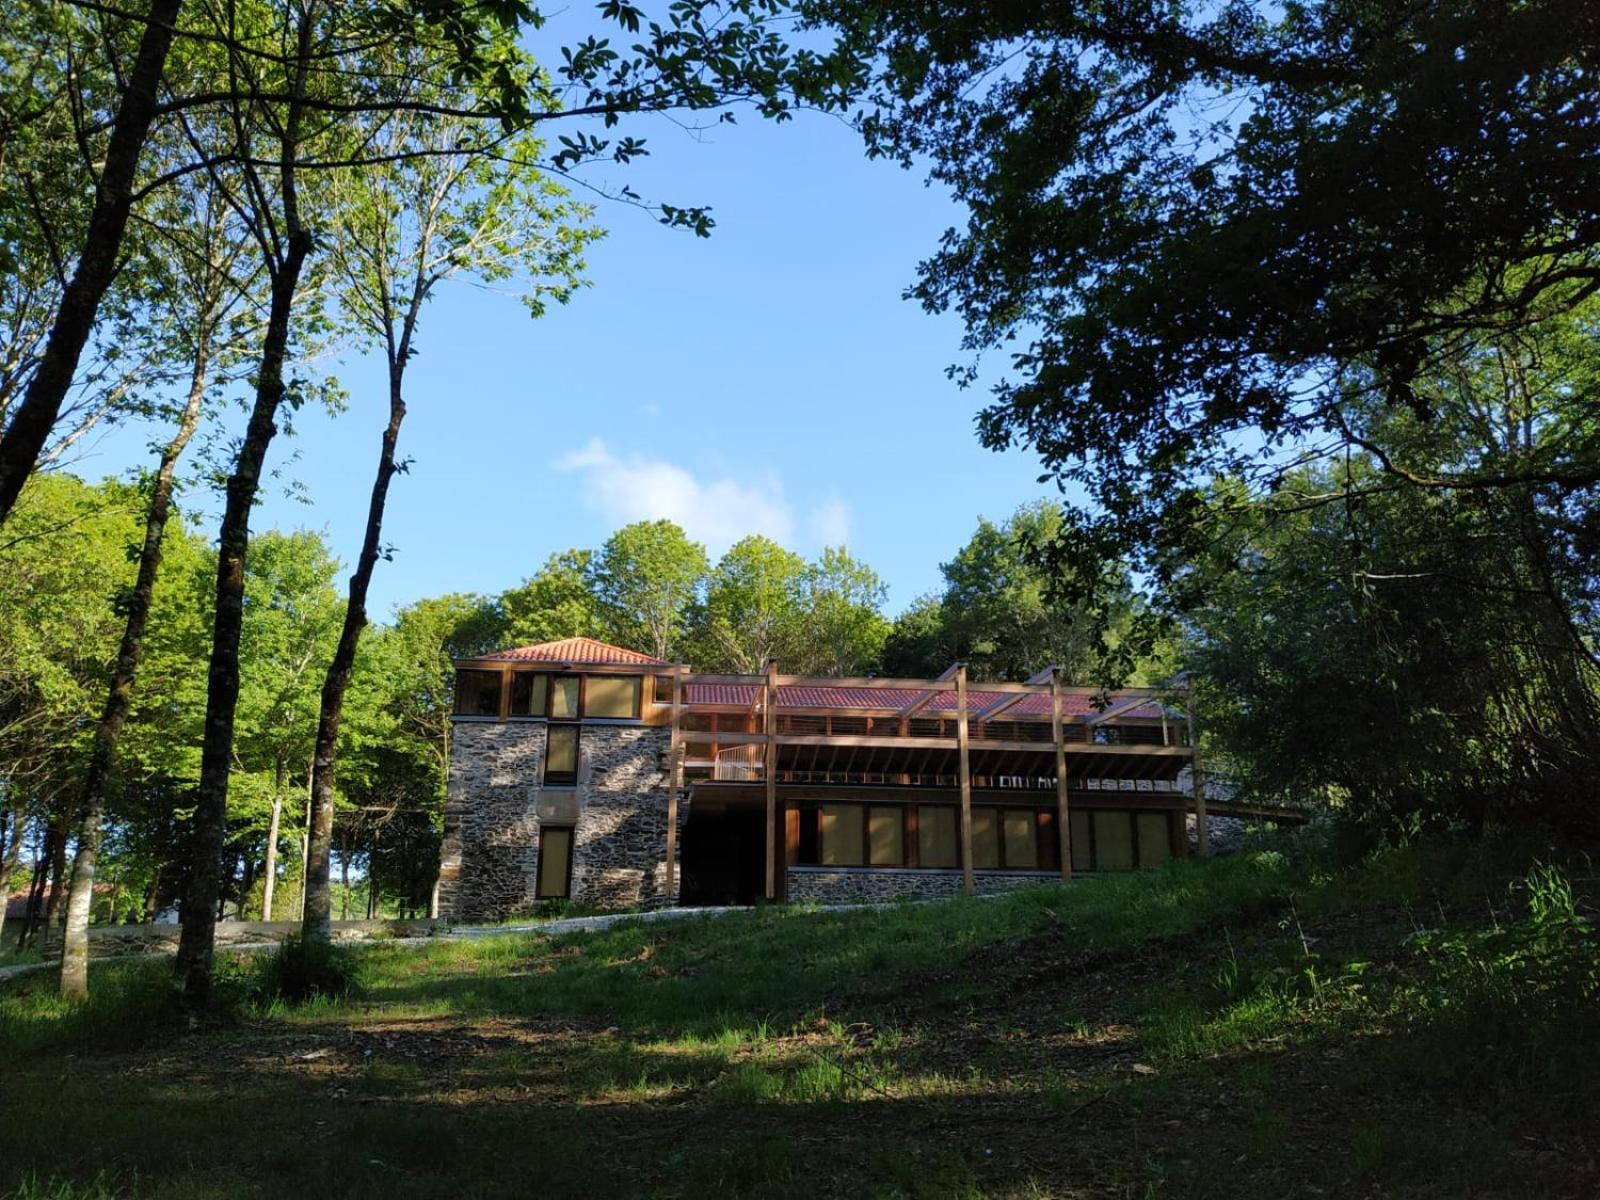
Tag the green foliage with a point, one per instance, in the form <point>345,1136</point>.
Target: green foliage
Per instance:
<point>554,603</point>
<point>646,576</point>
<point>303,969</point>
<point>1007,615</point>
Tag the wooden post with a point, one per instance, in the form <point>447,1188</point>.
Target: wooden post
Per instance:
<point>1201,826</point>
<point>769,722</point>
<point>1056,732</point>
<point>966,781</point>
<point>675,785</point>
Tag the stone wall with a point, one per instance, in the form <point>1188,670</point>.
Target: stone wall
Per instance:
<point>495,804</point>
<point>1227,833</point>
<point>859,885</point>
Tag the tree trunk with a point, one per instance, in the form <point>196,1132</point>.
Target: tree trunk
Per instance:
<point>41,877</point>
<point>35,417</point>
<point>317,922</point>
<point>58,874</point>
<point>8,863</point>
<point>152,898</point>
<point>80,896</point>
<point>196,943</point>
<point>344,881</point>
<point>270,871</point>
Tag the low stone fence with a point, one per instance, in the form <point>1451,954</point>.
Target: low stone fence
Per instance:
<point>106,940</point>
<point>858,885</point>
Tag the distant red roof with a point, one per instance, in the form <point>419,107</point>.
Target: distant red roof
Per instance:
<point>576,650</point>
<point>893,699</point>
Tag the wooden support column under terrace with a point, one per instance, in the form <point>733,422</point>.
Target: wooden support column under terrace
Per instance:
<point>674,786</point>
<point>1063,825</point>
<point>966,780</point>
<point>769,725</point>
<point>1202,832</point>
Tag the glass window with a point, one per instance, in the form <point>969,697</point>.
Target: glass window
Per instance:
<point>985,839</point>
<point>1113,841</point>
<point>564,698</point>
<point>1022,849</point>
<point>478,693</point>
<point>1153,844</point>
<point>663,689</point>
<point>527,693</point>
<point>886,837</point>
<point>938,840</point>
<point>1082,850</point>
<point>1049,840</point>
<point>842,827</point>
<point>612,696</point>
<point>561,754</point>
<point>555,861</point>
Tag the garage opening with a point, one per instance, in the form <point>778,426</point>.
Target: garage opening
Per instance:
<point>721,861</point>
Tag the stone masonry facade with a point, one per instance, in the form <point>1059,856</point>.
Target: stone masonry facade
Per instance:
<point>496,806</point>
<point>862,885</point>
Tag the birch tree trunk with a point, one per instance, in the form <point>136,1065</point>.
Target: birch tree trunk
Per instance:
<point>80,896</point>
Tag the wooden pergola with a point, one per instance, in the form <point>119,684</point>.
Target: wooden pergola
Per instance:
<point>911,727</point>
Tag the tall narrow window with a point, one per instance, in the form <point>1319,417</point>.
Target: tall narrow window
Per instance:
<point>1022,849</point>
<point>555,863</point>
<point>611,696</point>
<point>528,692</point>
<point>886,837</point>
<point>842,835</point>
<point>1154,846</point>
<point>938,841</point>
<point>478,693</point>
<point>1082,848</point>
<point>564,692</point>
<point>561,755</point>
<point>985,839</point>
<point>1113,841</point>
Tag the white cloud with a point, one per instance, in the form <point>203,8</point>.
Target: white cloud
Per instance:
<point>717,511</point>
<point>829,523</point>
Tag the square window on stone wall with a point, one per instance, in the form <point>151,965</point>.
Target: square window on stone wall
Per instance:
<point>561,754</point>
<point>478,693</point>
<point>612,696</point>
<point>528,692</point>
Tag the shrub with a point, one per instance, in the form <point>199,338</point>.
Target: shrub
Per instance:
<point>303,968</point>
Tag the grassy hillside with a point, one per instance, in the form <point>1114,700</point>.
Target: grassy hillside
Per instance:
<point>1264,1025</point>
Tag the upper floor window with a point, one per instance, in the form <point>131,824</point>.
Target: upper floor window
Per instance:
<point>478,693</point>
<point>571,697</point>
<point>612,696</point>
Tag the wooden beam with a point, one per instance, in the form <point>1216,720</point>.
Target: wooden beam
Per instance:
<point>1201,829</point>
<point>769,714</point>
<point>928,693</point>
<point>675,785</point>
<point>1063,825</point>
<point>1116,710</point>
<point>966,780</point>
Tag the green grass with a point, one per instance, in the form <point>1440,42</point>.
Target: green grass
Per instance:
<point>1264,1025</point>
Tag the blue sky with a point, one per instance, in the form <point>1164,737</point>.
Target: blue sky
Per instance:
<point>769,379</point>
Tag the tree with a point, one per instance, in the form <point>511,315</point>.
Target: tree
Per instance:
<point>203,290</point>
<point>446,203</point>
<point>752,609</point>
<point>646,576</point>
<point>556,602</point>
<point>844,621</point>
<point>1205,223</point>
<point>1006,616</point>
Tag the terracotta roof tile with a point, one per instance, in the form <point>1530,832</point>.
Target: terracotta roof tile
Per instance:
<point>891,699</point>
<point>578,650</point>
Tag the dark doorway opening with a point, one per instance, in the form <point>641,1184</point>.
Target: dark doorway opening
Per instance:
<point>722,854</point>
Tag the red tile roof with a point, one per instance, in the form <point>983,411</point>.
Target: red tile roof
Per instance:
<point>893,699</point>
<point>585,650</point>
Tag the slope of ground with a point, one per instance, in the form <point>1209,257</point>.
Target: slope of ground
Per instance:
<point>1261,1026</point>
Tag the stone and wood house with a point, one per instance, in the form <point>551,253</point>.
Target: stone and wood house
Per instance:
<point>585,771</point>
